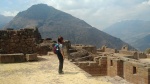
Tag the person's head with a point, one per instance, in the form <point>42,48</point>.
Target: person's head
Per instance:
<point>60,39</point>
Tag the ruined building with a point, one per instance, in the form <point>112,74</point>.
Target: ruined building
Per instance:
<point>25,44</point>
<point>133,66</point>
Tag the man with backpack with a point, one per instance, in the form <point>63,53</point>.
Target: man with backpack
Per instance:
<point>60,54</point>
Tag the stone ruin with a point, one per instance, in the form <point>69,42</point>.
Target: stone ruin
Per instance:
<point>45,46</point>
<point>133,66</point>
<point>24,45</point>
<point>19,45</point>
<point>19,41</point>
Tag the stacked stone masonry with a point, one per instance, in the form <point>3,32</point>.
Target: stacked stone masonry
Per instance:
<point>19,45</point>
<point>17,57</point>
<point>95,68</point>
<point>19,41</point>
<point>129,65</point>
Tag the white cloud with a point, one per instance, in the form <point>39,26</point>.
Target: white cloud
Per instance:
<point>98,13</point>
<point>10,13</point>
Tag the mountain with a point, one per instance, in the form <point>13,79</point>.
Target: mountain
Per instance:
<point>52,23</point>
<point>130,31</point>
<point>143,43</point>
<point>4,20</point>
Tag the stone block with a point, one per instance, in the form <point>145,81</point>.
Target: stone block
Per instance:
<point>31,57</point>
<point>10,58</point>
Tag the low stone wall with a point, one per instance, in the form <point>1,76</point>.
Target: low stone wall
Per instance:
<point>31,57</point>
<point>17,57</point>
<point>11,58</point>
<point>142,55</point>
<point>43,50</point>
<point>89,48</point>
<point>131,53</point>
<point>111,50</point>
<point>95,68</point>
<point>106,49</point>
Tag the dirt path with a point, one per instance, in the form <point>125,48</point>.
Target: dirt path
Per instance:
<point>44,71</point>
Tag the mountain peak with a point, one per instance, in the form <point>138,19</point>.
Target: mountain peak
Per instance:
<point>52,23</point>
<point>38,11</point>
<point>40,6</point>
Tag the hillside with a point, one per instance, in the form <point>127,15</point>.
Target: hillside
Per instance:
<point>4,20</point>
<point>143,43</point>
<point>130,31</point>
<point>52,23</point>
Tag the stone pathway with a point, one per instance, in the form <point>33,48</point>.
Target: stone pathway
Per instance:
<point>44,71</point>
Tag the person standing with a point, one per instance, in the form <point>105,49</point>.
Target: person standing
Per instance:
<point>60,54</point>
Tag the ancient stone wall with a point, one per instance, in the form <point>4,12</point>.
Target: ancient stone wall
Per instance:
<point>17,57</point>
<point>136,73</point>
<point>142,55</point>
<point>89,48</point>
<point>67,46</point>
<point>45,46</point>
<point>131,70</point>
<point>115,67</point>
<point>95,68</point>
<point>105,49</point>
<point>11,58</point>
<point>131,53</point>
<point>19,41</point>
<point>133,66</point>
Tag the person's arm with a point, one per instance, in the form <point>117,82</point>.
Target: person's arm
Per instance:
<point>61,50</point>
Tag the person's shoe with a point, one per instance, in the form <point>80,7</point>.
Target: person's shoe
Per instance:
<point>61,72</point>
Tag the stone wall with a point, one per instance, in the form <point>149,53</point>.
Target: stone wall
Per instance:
<point>131,53</point>
<point>131,70</point>
<point>17,57</point>
<point>124,50</point>
<point>45,46</point>
<point>136,73</point>
<point>89,48</point>
<point>115,67</point>
<point>106,49</point>
<point>19,41</point>
<point>67,46</point>
<point>11,58</point>
<point>130,65</point>
<point>98,67</point>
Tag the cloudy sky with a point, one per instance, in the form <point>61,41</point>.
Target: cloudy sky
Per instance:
<point>98,13</point>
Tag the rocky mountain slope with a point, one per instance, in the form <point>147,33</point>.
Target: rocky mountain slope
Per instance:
<point>131,31</point>
<point>52,23</point>
<point>4,20</point>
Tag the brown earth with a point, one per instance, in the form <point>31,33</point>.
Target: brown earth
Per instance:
<point>45,71</point>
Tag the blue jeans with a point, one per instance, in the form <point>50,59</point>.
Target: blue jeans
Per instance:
<point>61,61</point>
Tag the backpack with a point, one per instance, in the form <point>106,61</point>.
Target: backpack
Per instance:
<point>56,47</point>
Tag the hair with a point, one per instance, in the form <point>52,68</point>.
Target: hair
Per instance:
<point>60,39</point>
